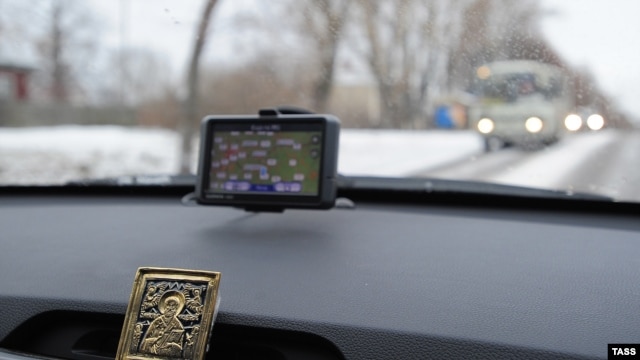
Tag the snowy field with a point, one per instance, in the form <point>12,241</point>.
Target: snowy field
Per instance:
<point>600,163</point>
<point>55,155</point>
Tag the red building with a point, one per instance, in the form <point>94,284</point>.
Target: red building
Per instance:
<point>17,63</point>
<point>14,82</point>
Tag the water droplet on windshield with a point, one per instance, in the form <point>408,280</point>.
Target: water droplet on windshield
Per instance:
<point>428,186</point>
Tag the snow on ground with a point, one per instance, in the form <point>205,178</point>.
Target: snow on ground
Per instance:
<point>54,155</point>
<point>402,152</point>
<point>548,168</point>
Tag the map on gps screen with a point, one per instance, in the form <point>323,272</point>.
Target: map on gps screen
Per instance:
<point>273,162</point>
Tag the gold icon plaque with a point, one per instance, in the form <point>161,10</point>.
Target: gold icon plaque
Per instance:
<point>170,314</point>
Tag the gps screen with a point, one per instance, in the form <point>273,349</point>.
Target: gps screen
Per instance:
<point>278,159</point>
<point>268,162</point>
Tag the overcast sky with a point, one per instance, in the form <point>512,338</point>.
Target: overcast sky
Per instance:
<point>601,35</point>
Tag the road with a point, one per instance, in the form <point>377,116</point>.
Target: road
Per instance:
<point>606,163</point>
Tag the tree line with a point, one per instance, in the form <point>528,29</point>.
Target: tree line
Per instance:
<point>412,52</point>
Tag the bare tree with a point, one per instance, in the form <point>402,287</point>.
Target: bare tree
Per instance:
<point>498,30</point>
<point>163,110</point>
<point>408,48</point>
<point>59,71</point>
<point>323,24</point>
<point>316,27</point>
<point>188,126</point>
<point>66,45</point>
<point>147,74</point>
<point>265,81</point>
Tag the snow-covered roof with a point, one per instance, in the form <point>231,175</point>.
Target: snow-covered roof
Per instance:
<point>17,55</point>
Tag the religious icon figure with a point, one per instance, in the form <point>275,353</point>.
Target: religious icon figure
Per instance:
<point>170,314</point>
<point>165,333</point>
<point>194,303</point>
<point>137,334</point>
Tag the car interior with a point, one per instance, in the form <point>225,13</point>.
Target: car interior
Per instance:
<point>487,208</point>
<point>426,272</point>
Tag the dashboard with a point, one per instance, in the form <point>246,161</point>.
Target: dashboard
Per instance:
<point>384,275</point>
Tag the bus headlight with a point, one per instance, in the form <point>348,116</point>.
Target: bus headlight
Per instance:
<point>486,125</point>
<point>573,122</point>
<point>533,124</point>
<point>595,122</point>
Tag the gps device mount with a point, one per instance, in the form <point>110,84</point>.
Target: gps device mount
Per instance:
<point>283,158</point>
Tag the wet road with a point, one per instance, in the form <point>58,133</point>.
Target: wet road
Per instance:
<point>605,163</point>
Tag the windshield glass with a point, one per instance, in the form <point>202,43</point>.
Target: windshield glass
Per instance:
<point>509,88</point>
<point>533,93</point>
<point>521,84</point>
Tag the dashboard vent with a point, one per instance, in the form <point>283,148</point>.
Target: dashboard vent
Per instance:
<point>90,336</point>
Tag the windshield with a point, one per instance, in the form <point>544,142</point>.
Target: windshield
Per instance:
<point>533,93</point>
<point>509,88</point>
<point>520,84</point>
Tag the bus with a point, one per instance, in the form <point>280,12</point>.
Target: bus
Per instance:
<point>521,102</point>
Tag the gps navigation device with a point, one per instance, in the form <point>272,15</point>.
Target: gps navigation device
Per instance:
<point>269,162</point>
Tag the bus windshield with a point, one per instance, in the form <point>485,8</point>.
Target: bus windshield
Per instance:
<point>511,81</point>
<point>511,87</point>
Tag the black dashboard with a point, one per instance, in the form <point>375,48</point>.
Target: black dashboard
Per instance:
<point>396,276</point>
